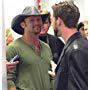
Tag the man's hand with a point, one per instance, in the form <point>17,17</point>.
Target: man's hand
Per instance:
<point>53,65</point>
<point>11,65</point>
<point>12,88</point>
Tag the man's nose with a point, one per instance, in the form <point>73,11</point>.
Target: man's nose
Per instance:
<point>37,22</point>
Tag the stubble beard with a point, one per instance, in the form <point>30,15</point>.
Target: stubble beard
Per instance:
<point>37,30</point>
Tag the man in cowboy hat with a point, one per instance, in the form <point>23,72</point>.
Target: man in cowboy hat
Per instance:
<point>32,71</point>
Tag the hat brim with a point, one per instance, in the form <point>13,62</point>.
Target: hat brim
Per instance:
<point>15,25</point>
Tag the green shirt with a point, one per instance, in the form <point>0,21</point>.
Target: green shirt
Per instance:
<point>32,71</point>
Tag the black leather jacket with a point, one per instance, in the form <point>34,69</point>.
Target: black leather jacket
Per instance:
<point>72,68</point>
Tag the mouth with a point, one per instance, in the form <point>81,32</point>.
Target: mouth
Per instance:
<point>37,27</point>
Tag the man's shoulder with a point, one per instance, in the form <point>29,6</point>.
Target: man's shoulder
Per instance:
<point>78,45</point>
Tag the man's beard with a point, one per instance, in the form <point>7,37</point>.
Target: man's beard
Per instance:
<point>37,30</point>
<point>57,33</point>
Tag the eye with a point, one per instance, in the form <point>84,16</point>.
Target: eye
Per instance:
<point>39,19</point>
<point>31,20</point>
<point>82,29</point>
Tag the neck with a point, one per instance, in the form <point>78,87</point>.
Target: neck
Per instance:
<point>67,33</point>
<point>31,39</point>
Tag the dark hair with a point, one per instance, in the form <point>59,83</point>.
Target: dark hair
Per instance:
<point>68,12</point>
<point>80,25</point>
<point>48,18</point>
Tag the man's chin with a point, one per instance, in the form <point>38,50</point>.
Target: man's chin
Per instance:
<point>37,33</point>
<point>59,34</point>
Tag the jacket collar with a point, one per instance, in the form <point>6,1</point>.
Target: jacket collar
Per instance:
<point>72,38</point>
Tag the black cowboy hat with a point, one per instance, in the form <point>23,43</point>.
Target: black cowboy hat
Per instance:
<point>28,11</point>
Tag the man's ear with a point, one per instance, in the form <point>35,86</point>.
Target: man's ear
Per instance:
<point>22,24</point>
<point>59,21</point>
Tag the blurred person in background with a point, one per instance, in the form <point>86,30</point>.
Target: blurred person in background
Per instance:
<point>56,45</point>
<point>86,27</point>
<point>9,37</point>
<point>82,30</point>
